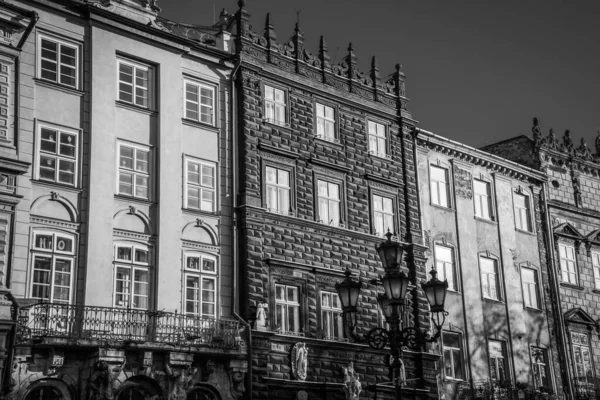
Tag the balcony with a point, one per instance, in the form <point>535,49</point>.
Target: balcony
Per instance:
<point>74,324</point>
<point>585,388</point>
<point>499,390</point>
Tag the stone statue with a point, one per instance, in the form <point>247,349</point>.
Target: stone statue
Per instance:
<point>597,144</point>
<point>568,142</point>
<point>101,381</point>
<point>299,361</point>
<point>180,379</point>
<point>583,150</point>
<point>261,316</point>
<point>537,133</point>
<point>352,385</point>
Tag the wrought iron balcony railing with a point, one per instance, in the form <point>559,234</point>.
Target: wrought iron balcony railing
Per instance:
<point>66,321</point>
<point>499,390</point>
<point>586,388</point>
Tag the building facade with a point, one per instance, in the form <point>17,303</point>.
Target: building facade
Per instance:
<point>122,257</point>
<point>573,223</point>
<point>483,226</point>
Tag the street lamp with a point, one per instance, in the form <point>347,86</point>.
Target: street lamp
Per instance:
<point>393,304</point>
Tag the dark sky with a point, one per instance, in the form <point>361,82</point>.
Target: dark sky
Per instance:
<point>477,71</point>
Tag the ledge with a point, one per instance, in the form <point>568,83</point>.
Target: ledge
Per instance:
<point>274,125</point>
<point>452,210</point>
<point>277,150</point>
<point>326,142</point>
<point>525,232</point>
<point>58,86</point>
<point>134,199</point>
<point>382,180</point>
<point>57,186</point>
<point>485,220</point>
<point>302,384</point>
<point>571,286</point>
<point>340,167</point>
<point>191,211</point>
<point>201,125</point>
<point>13,165</point>
<point>310,268</point>
<point>133,107</point>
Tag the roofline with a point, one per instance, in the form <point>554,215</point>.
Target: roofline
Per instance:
<point>508,140</point>
<point>492,157</point>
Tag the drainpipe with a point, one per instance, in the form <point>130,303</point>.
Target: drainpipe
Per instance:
<point>554,285</point>
<point>249,355</point>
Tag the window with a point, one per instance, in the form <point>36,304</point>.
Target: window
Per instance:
<point>199,102</point>
<point>58,61</point>
<point>444,265</point>
<point>596,266</point>
<point>453,364</point>
<point>522,215</point>
<point>329,202</point>
<point>566,253</point>
<point>53,256</point>
<point>482,199</point>
<point>325,122</point>
<point>287,308</point>
<point>275,108</point>
<point>377,139</point>
<point>200,285</point>
<point>200,193</point>
<point>134,83</point>
<point>439,186</point>
<point>383,215</point>
<point>132,276</point>
<point>134,171</point>
<point>331,316</point>
<point>529,281</point>
<point>497,357</point>
<point>57,157</point>
<point>539,367</point>
<point>278,189</point>
<point>489,278</point>
<point>582,355</point>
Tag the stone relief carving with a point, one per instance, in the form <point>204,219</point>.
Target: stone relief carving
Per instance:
<point>463,183</point>
<point>101,381</point>
<point>352,385</point>
<point>299,361</point>
<point>179,380</point>
<point>261,316</point>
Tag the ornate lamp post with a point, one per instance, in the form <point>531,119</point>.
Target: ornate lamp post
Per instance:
<point>393,305</point>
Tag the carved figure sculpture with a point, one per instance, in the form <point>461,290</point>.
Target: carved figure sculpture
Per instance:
<point>180,380</point>
<point>537,133</point>
<point>352,385</point>
<point>261,316</point>
<point>299,361</point>
<point>101,381</point>
<point>597,144</point>
<point>568,142</point>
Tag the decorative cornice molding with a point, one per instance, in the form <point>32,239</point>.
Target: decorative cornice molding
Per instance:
<point>133,235</point>
<point>276,262</point>
<point>382,183</point>
<point>276,150</point>
<point>327,164</point>
<point>200,246</point>
<point>53,222</point>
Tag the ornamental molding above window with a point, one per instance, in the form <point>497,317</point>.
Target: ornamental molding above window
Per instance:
<point>567,231</point>
<point>132,235</point>
<point>200,246</point>
<point>383,183</point>
<point>579,316</point>
<point>327,164</point>
<point>328,172</point>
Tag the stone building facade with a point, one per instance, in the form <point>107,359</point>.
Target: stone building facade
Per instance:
<point>483,227</point>
<point>325,168</point>
<point>573,225</point>
<point>122,257</point>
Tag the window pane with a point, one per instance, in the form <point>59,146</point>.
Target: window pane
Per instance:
<point>43,241</point>
<point>141,256</point>
<point>64,244</point>
<point>126,157</point>
<point>141,163</point>
<point>193,263</point>
<point>124,253</point>
<point>48,140</point>
<point>209,265</point>
<point>208,179</point>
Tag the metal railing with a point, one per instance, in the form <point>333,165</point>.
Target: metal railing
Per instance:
<point>499,390</point>
<point>586,388</point>
<point>67,321</point>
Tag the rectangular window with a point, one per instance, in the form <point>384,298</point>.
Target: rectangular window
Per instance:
<point>278,190</point>
<point>134,83</point>
<point>530,288</point>
<point>329,202</point>
<point>582,355</point>
<point>444,265</point>
<point>489,278</point>
<point>132,276</point>
<point>325,122</point>
<point>52,272</point>
<point>568,264</point>
<point>596,266</point>
<point>539,366</point>
<point>496,352</point>
<point>453,364</point>
<point>275,108</point>
<point>287,308</point>
<point>200,285</point>
<point>57,157</point>
<point>199,102</point>
<point>134,171</point>
<point>522,214</point>
<point>383,215</point>
<point>58,61</point>
<point>439,186</point>
<point>482,196</point>
<point>377,139</point>
<point>331,316</point>
<point>200,186</point>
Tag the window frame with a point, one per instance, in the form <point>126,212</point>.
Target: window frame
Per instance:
<point>447,186</point>
<point>394,198</point>
<point>460,356</point>
<point>149,90</point>
<point>134,172</point>
<point>336,120</point>
<point>573,246</point>
<point>595,255</point>
<point>489,197</point>
<point>132,266</point>
<point>528,211</point>
<point>504,358</point>
<point>544,351</point>
<point>331,316</point>
<point>497,274</point>
<point>60,42</point>
<point>56,156</point>
<point>206,85</point>
<point>200,274</point>
<point>536,284</point>
<point>590,349</point>
<point>387,146</point>
<point>201,163</point>
<point>53,254</point>
<point>286,112</point>
<point>291,169</point>
<point>342,200</point>
<point>287,304</point>
<point>436,244</point>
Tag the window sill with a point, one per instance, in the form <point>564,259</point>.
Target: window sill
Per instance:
<point>487,299</point>
<point>198,124</point>
<point>535,310</point>
<point>330,142</point>
<point>58,86</point>
<point>272,211</point>
<point>526,232</point>
<point>133,107</point>
<point>442,207</point>
<point>454,291</point>
<point>596,291</point>
<point>134,199</point>
<point>487,221</point>
<point>572,286</point>
<point>277,125</point>
<point>386,157</point>
<point>62,186</point>
<point>193,211</point>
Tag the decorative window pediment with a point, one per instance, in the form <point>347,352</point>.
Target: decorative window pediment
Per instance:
<point>567,231</point>
<point>13,23</point>
<point>579,316</point>
<point>593,237</point>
